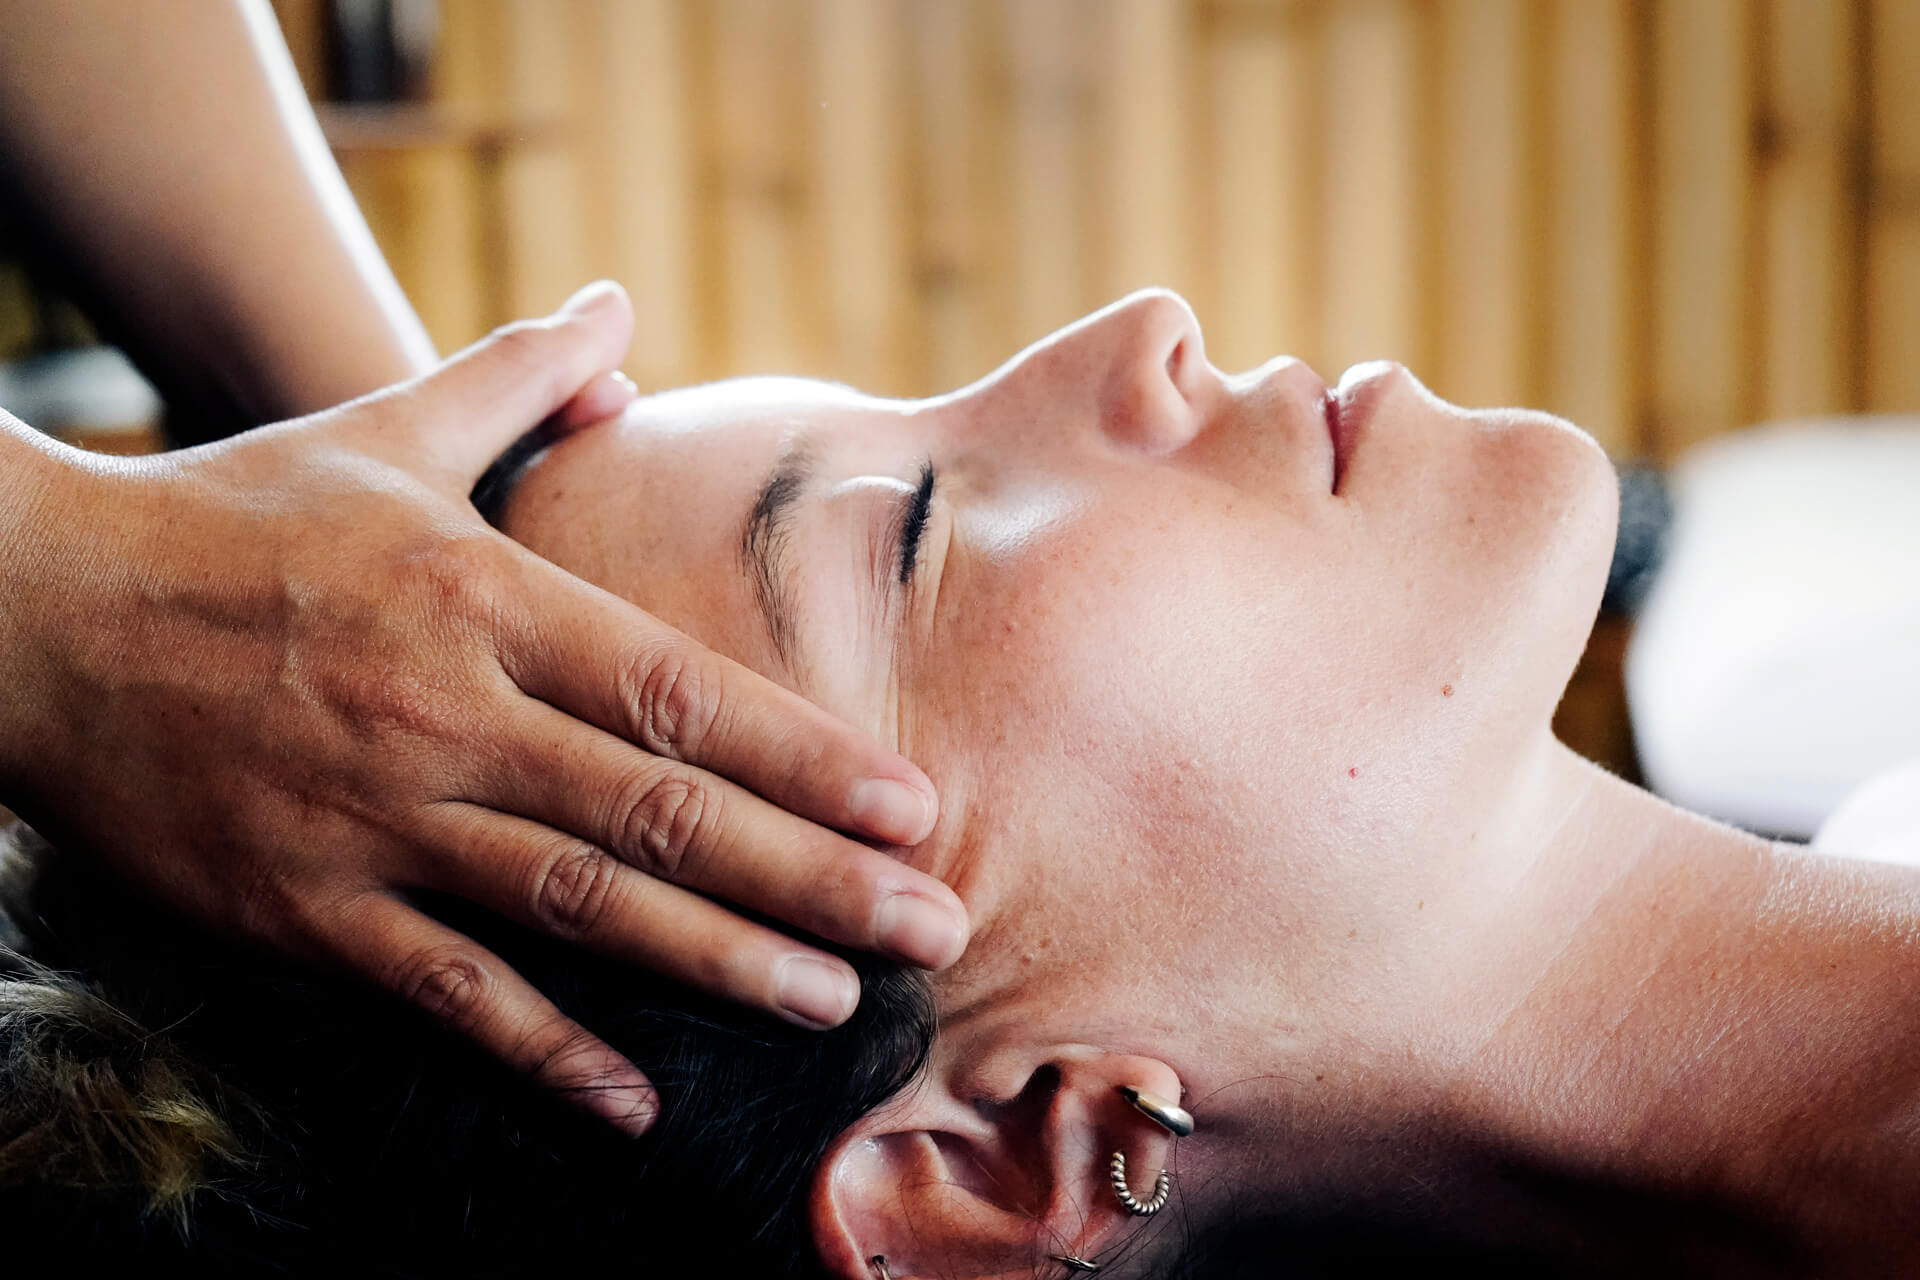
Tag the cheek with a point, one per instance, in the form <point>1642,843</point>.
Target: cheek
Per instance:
<point>1237,678</point>
<point>1183,684</point>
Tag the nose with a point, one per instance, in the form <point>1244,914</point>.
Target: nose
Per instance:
<point>1144,363</point>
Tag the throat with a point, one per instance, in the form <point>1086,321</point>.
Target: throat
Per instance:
<point>1726,1033</point>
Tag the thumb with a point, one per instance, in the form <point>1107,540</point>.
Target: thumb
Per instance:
<point>467,412</point>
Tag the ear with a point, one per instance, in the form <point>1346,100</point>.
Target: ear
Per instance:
<point>952,1180</point>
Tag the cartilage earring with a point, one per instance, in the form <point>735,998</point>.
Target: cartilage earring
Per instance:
<point>1075,1263</point>
<point>1175,1119</point>
<point>1162,1189</point>
<point>879,1264</point>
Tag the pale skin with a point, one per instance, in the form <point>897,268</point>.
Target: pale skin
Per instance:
<point>283,681</point>
<point>1249,789</point>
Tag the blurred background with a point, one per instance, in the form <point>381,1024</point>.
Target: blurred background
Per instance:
<point>1660,218</point>
<point>1663,219</point>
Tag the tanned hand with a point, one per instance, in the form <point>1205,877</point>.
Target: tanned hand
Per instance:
<point>283,680</point>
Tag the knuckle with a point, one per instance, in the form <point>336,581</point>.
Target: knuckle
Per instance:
<point>573,891</point>
<point>673,699</point>
<point>408,717</point>
<point>660,820</point>
<point>264,898</point>
<point>450,984</point>
<point>450,577</point>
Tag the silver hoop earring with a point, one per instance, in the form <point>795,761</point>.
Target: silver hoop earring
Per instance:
<point>1176,1120</point>
<point>1162,1188</point>
<point>1075,1263</point>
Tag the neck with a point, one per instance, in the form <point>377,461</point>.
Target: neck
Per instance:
<point>1703,1017</point>
<point>1633,1005</point>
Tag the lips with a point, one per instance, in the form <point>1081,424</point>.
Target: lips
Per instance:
<point>1330,410</point>
<point>1350,406</point>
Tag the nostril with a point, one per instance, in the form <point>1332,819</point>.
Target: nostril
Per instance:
<point>1175,358</point>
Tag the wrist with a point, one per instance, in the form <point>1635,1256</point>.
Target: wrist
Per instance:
<point>27,477</point>
<point>36,483</point>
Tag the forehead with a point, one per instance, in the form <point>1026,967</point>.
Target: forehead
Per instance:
<point>652,505</point>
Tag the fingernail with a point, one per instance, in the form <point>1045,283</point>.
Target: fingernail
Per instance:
<point>589,297</point>
<point>816,993</point>
<point>629,1104</point>
<point>919,931</point>
<point>891,810</point>
<point>625,381</point>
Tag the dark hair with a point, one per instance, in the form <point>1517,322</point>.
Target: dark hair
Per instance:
<point>162,1091</point>
<point>496,484</point>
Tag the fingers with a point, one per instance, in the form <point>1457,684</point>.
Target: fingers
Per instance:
<point>473,993</point>
<point>599,400</point>
<point>552,882</point>
<point>676,823</point>
<point>612,665</point>
<point>466,413</point>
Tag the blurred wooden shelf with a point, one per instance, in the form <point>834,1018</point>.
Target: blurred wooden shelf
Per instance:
<point>362,127</point>
<point>434,183</point>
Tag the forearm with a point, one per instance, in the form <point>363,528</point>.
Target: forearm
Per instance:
<point>169,155</point>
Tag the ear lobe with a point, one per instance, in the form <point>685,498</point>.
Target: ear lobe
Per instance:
<point>945,1185</point>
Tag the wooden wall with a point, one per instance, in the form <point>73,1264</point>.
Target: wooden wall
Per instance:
<point>1661,218</point>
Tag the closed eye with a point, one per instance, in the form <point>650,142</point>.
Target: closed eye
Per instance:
<point>913,523</point>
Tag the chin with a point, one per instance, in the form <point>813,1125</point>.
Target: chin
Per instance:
<point>1552,498</point>
<point>1577,539</point>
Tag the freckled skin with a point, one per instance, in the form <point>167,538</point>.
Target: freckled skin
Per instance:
<point>1151,645</point>
<point>1198,795</point>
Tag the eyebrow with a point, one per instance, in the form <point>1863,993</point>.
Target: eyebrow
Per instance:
<point>765,545</point>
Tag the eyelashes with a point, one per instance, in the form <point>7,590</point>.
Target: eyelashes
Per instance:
<point>913,523</point>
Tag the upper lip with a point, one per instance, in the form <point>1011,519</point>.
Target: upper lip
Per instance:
<point>1308,397</point>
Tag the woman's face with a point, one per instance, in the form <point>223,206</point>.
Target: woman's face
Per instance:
<point>1218,676</point>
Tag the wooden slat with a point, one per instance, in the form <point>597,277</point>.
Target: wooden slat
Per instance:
<point>645,162</point>
<point>1481,335</point>
<point>1638,211</point>
<point>1371,282</point>
<point>1143,134</point>
<point>1262,77</point>
<point>1052,269</point>
<point>444,232</point>
<point>1893,214</point>
<point>759,137</point>
<point>1806,219</point>
<point>546,254</point>
<point>470,55</point>
<point>860,196</point>
<point>1591,355</point>
<point>955,187</point>
<point>463,291</point>
<point>1702,369</point>
<point>421,206</point>
<point>423,202</point>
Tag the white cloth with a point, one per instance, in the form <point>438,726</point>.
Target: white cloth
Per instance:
<point>1776,663</point>
<point>1880,821</point>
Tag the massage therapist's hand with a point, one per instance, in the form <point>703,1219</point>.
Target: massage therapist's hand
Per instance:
<point>282,680</point>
